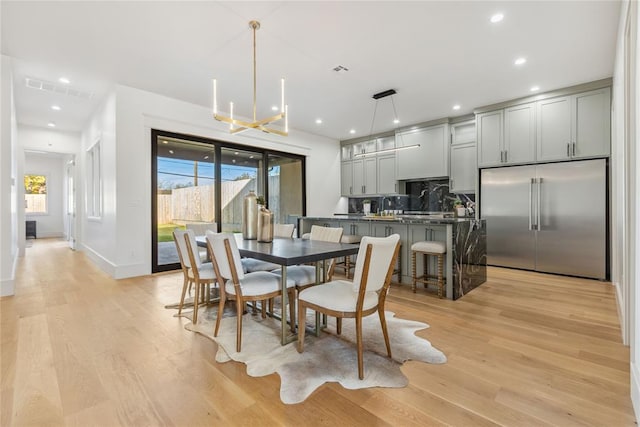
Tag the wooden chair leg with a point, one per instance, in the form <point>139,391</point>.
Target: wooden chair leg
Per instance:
<point>302,315</point>
<point>185,284</point>
<point>196,298</point>
<point>271,305</point>
<point>385,332</point>
<point>413,267</point>
<point>220,312</point>
<point>263,308</point>
<point>360,346</point>
<point>425,267</point>
<point>347,265</point>
<point>440,275</point>
<point>239,310</point>
<point>338,325</point>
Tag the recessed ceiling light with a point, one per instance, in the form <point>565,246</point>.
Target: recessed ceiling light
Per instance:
<point>165,142</point>
<point>51,124</point>
<point>456,107</point>
<point>535,88</point>
<point>396,121</point>
<point>274,108</point>
<point>352,131</point>
<point>497,18</point>
<point>64,80</point>
<point>520,61</point>
<point>251,157</point>
<point>171,151</point>
<point>235,152</point>
<point>55,107</point>
<point>233,161</point>
<point>206,157</point>
<point>318,121</point>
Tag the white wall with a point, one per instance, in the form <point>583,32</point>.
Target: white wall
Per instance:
<point>625,186</point>
<point>50,224</point>
<point>127,170</point>
<point>8,173</point>
<point>97,236</point>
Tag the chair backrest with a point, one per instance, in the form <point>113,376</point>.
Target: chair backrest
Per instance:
<point>326,234</point>
<point>283,230</point>
<point>201,228</point>
<point>219,254</point>
<point>383,251</point>
<point>180,237</point>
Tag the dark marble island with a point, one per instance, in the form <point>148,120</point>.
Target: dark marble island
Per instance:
<point>465,265</point>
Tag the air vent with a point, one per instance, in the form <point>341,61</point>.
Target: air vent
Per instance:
<point>340,69</point>
<point>52,87</point>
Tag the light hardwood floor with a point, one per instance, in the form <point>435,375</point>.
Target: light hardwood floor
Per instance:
<point>79,348</point>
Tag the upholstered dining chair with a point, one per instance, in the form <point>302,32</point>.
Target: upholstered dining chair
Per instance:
<point>360,298</point>
<point>305,275</point>
<point>242,287</point>
<point>194,270</point>
<point>251,265</point>
<point>200,229</point>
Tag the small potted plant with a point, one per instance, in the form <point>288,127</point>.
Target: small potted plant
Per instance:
<point>260,200</point>
<point>458,208</point>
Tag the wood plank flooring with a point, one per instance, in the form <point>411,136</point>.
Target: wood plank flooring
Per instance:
<point>79,348</point>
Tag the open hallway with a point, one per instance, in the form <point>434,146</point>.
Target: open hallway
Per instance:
<point>80,348</point>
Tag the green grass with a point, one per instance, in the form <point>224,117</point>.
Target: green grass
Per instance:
<point>165,232</point>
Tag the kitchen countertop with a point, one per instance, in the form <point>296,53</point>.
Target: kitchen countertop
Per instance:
<point>402,219</point>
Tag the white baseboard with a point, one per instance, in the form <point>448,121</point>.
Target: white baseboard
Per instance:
<point>131,270</point>
<point>49,234</point>
<point>8,286</point>
<point>635,388</point>
<point>622,314</point>
<point>102,263</point>
<point>113,270</point>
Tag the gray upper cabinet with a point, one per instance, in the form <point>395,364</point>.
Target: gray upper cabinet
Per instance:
<point>506,136</point>
<point>387,183</point>
<point>554,129</point>
<point>463,157</point>
<point>519,134</point>
<point>592,124</point>
<point>364,176</point>
<point>490,145</point>
<point>346,178</point>
<point>430,160</point>
<point>574,127</point>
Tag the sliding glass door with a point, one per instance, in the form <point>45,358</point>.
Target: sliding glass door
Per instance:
<point>199,183</point>
<point>185,193</point>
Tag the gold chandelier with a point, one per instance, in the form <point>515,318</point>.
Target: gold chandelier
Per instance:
<point>236,125</point>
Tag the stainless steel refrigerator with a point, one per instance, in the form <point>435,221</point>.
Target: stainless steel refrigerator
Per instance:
<point>549,217</point>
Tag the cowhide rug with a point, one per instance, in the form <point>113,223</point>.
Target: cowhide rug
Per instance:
<point>328,358</point>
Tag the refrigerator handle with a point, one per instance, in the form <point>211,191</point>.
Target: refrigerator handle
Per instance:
<point>568,150</point>
<point>539,192</point>
<point>533,180</point>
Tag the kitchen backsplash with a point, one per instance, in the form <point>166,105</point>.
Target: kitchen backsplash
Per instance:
<point>423,196</point>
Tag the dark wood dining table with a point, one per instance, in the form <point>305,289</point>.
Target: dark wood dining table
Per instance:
<point>286,252</point>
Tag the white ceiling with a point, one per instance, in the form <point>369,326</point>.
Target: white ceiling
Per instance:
<point>435,54</point>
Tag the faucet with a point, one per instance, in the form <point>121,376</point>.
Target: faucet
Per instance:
<point>382,202</point>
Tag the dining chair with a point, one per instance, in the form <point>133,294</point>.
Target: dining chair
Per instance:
<point>194,270</point>
<point>242,287</point>
<point>305,275</point>
<point>251,265</point>
<point>360,298</point>
<point>200,229</point>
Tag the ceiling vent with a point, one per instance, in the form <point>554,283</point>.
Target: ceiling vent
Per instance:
<point>54,88</point>
<point>340,69</point>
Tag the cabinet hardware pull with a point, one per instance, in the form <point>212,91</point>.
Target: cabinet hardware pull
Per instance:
<point>568,148</point>
<point>451,184</point>
<point>574,148</point>
<point>350,190</point>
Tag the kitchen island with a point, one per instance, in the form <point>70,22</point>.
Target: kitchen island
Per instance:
<point>465,238</point>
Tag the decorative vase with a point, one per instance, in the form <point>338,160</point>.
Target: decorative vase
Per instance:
<point>265,225</point>
<point>250,216</point>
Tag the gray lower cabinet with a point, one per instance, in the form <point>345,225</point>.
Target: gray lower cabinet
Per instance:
<point>385,230</point>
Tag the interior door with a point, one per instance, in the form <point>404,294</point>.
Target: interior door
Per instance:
<point>507,205</point>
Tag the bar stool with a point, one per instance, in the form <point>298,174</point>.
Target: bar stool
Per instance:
<point>346,263</point>
<point>427,248</point>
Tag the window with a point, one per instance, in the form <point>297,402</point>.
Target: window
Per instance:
<point>35,194</point>
<point>94,182</point>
